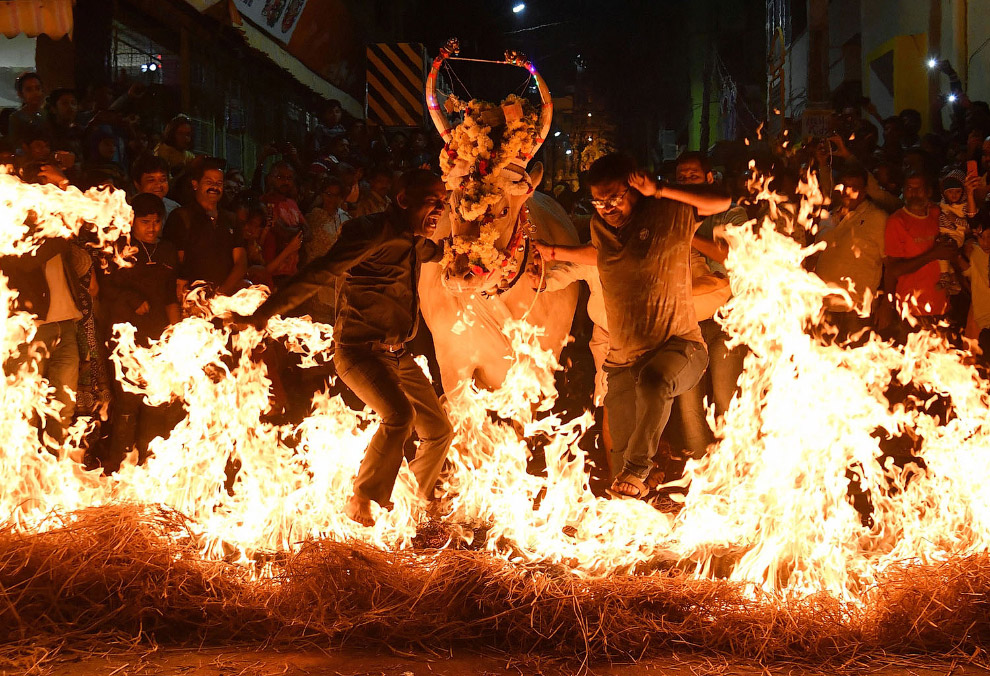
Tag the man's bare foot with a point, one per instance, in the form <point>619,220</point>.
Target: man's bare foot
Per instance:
<point>359,509</point>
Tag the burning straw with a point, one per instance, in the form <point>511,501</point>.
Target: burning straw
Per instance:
<point>118,576</point>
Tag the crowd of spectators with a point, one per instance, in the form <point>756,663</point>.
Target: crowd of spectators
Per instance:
<point>197,221</point>
<point>906,218</point>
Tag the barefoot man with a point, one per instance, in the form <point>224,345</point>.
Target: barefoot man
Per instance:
<point>375,263</point>
<point>641,242</point>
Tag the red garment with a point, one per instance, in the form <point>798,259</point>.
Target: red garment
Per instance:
<point>908,236</point>
<point>285,222</point>
<point>282,209</point>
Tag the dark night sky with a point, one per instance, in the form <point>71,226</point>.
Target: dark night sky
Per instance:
<point>636,51</point>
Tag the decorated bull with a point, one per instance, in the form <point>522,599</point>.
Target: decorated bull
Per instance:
<point>493,215</point>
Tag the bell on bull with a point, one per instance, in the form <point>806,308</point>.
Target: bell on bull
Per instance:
<point>493,213</point>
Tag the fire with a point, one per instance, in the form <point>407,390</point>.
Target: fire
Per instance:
<point>770,504</point>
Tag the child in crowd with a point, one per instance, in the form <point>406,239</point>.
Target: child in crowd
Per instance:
<point>144,296</point>
<point>953,226</point>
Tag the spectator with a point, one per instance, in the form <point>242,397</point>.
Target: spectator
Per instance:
<point>326,219</point>
<point>853,256</point>
<point>63,109</point>
<point>360,144</point>
<point>911,128</point>
<point>374,197</point>
<point>419,152</point>
<point>234,184</point>
<point>953,225</point>
<point>150,175</point>
<point>252,231</point>
<point>209,250</point>
<point>977,271</point>
<point>398,151</point>
<point>144,296</point>
<point>99,166</point>
<point>177,143</point>
<point>329,127</point>
<point>284,229</point>
<point>36,149</point>
<point>47,285</point>
<point>710,289</point>
<point>911,254</point>
<point>31,92</point>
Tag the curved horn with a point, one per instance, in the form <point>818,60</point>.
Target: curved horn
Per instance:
<point>546,101</point>
<point>439,118</point>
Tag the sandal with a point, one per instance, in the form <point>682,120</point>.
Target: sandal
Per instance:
<point>625,477</point>
<point>655,478</point>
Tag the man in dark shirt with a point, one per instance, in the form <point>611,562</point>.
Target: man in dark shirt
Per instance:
<point>204,235</point>
<point>375,264</point>
<point>142,295</point>
<point>641,242</point>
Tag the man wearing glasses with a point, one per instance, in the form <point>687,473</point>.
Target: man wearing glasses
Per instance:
<point>641,242</point>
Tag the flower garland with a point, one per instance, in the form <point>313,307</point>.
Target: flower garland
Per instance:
<point>488,139</point>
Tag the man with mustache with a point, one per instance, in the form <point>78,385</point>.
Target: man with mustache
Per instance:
<point>204,235</point>
<point>375,265</point>
<point>911,253</point>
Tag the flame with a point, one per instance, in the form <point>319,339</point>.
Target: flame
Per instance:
<point>770,504</point>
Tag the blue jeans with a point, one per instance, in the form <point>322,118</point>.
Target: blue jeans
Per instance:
<point>58,361</point>
<point>395,388</point>
<point>640,397</point>
<point>718,383</point>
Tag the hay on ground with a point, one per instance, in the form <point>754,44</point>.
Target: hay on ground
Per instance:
<point>116,575</point>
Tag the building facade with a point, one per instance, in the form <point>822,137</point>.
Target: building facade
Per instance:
<point>827,54</point>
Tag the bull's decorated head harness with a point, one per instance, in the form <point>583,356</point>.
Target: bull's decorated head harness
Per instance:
<point>484,165</point>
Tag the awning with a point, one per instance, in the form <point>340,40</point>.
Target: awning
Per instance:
<point>36,17</point>
<point>264,44</point>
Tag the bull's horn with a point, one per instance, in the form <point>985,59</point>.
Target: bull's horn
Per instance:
<point>439,117</point>
<point>546,101</point>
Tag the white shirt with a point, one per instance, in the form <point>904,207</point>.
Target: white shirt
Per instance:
<point>853,257</point>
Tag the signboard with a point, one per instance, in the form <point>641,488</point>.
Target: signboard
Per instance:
<point>816,122</point>
<point>278,18</point>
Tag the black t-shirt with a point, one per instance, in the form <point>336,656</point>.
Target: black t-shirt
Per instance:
<point>150,280</point>
<point>207,243</point>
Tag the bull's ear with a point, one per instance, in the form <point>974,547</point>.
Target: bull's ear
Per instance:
<point>536,174</point>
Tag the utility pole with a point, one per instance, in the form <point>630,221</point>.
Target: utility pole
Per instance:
<point>818,89</point>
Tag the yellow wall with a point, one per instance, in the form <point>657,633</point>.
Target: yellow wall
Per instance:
<point>911,74</point>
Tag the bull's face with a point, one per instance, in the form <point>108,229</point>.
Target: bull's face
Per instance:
<point>479,260</point>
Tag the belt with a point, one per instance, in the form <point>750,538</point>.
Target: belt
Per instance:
<point>387,347</point>
<point>376,345</point>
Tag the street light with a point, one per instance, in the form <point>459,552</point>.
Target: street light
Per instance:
<point>932,61</point>
<point>589,114</point>
<point>518,8</point>
<point>556,133</point>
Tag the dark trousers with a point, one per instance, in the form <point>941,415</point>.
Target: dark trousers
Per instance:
<point>135,424</point>
<point>395,388</point>
<point>640,397</point>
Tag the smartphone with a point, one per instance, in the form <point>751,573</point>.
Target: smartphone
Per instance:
<point>971,169</point>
